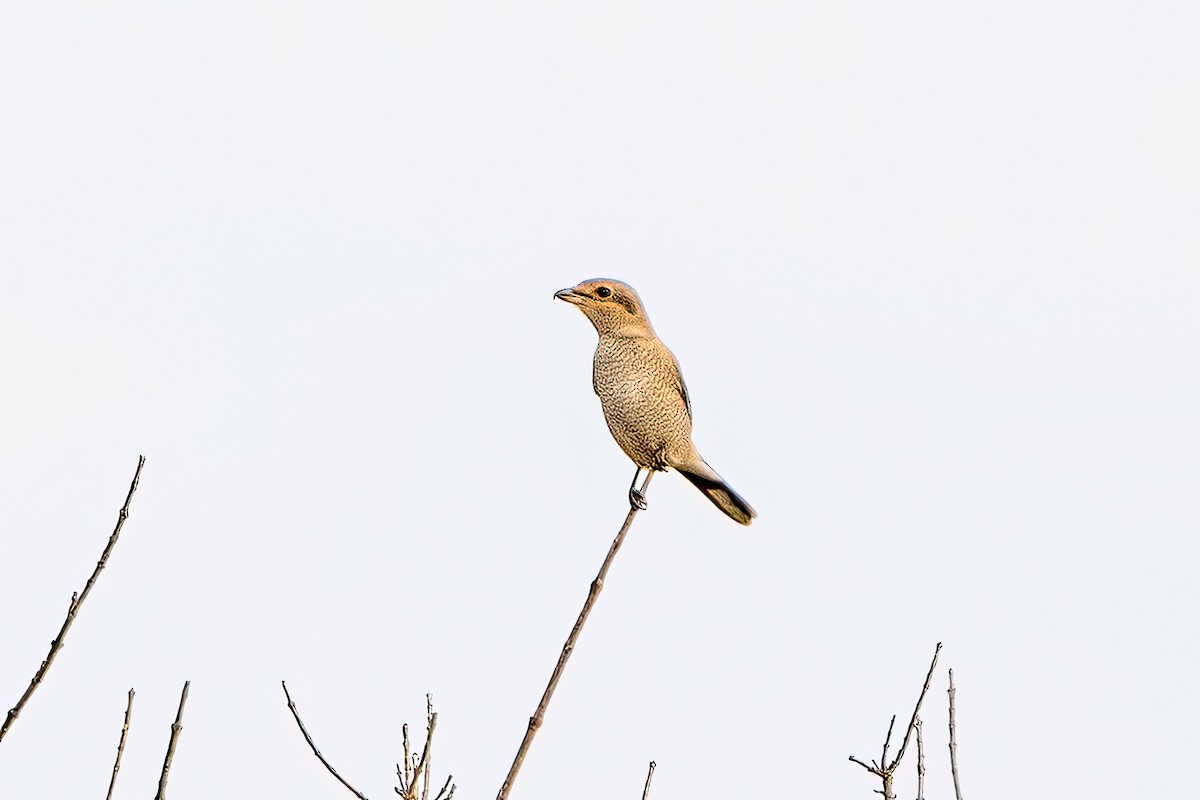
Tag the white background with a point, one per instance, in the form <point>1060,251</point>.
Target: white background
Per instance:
<point>931,271</point>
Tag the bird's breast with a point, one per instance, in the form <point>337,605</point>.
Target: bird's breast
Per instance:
<point>640,392</point>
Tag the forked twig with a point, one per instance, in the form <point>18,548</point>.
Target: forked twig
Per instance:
<point>120,746</point>
<point>414,774</point>
<point>535,721</point>
<point>175,729</point>
<point>311,744</point>
<point>76,603</point>
<point>885,770</point>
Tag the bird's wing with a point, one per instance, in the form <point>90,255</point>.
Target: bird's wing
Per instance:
<point>680,386</point>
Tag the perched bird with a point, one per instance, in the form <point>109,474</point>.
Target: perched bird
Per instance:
<point>642,393</point>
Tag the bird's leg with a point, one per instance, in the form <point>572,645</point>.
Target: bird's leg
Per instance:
<point>637,499</point>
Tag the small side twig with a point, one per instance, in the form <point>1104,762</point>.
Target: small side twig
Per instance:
<point>76,603</point>
<point>953,742</point>
<point>176,727</point>
<point>887,740</point>
<point>885,770</point>
<point>539,714</point>
<point>649,777</point>
<point>120,746</point>
<point>292,707</point>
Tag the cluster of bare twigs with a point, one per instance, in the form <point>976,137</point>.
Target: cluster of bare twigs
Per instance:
<point>56,645</point>
<point>886,770</point>
<point>413,774</point>
<point>176,728</point>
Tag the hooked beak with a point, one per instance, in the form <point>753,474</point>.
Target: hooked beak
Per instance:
<point>569,295</point>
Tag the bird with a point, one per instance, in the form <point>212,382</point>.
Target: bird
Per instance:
<point>642,393</point>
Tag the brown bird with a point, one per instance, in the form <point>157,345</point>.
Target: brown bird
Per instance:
<point>642,393</point>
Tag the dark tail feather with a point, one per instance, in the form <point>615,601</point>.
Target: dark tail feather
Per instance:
<point>722,495</point>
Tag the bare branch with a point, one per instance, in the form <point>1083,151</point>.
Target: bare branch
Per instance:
<point>422,765</point>
<point>405,775</point>
<point>649,776</point>
<point>873,769</point>
<point>175,729</point>
<point>430,724</point>
<point>953,742</point>
<point>920,761</point>
<point>76,603</point>
<point>413,776</point>
<point>884,770</point>
<point>120,746</point>
<point>535,721</point>
<point>887,740</point>
<point>443,794</point>
<point>917,709</point>
<point>316,752</point>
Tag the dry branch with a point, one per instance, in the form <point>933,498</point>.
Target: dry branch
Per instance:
<point>535,721</point>
<point>316,752</point>
<point>920,762</point>
<point>953,741</point>
<point>120,746</point>
<point>176,727</point>
<point>413,776</point>
<point>884,770</point>
<point>649,776</point>
<point>76,603</point>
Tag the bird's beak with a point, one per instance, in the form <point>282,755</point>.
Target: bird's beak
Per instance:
<point>570,295</point>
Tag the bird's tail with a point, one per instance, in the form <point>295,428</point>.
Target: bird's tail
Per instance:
<point>704,478</point>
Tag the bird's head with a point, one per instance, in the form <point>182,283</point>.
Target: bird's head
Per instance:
<point>612,306</point>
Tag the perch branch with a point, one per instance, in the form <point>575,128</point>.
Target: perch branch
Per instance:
<point>535,721</point>
<point>76,602</point>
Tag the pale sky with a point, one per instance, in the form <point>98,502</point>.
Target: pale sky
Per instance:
<point>931,271</point>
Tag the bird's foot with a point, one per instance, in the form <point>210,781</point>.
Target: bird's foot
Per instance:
<point>637,499</point>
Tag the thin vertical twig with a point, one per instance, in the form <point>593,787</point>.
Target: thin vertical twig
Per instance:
<point>887,740</point>
<point>120,746</point>
<point>426,757</point>
<point>76,603</point>
<point>920,762</point>
<point>176,728</point>
<point>953,742</point>
<point>313,746</point>
<point>539,714</point>
<point>649,777</point>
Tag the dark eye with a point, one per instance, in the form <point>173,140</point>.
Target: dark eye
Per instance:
<point>603,291</point>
